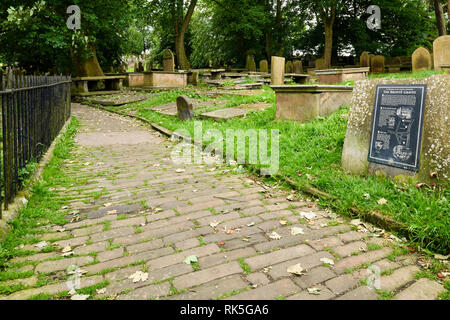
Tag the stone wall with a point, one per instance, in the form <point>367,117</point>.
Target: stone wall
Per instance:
<point>435,150</point>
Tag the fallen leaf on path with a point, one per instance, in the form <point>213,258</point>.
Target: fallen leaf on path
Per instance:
<point>366,195</point>
<point>180,171</point>
<point>41,244</point>
<point>441,257</point>
<point>290,197</point>
<point>296,230</point>
<point>139,276</point>
<point>315,291</point>
<point>327,261</point>
<point>80,297</point>
<point>251,224</point>
<point>308,215</point>
<point>67,249</point>
<point>101,291</point>
<point>297,270</point>
<point>109,204</point>
<point>191,259</point>
<point>67,254</point>
<point>214,224</point>
<point>274,236</point>
<point>112,212</point>
<point>382,201</point>
<point>356,222</point>
<point>283,222</point>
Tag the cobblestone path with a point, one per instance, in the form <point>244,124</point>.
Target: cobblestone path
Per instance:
<point>152,215</point>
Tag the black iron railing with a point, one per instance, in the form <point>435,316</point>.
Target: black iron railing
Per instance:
<point>33,111</point>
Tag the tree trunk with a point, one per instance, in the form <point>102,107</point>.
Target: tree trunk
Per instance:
<point>448,13</point>
<point>328,44</point>
<point>181,26</point>
<point>268,45</point>
<point>440,20</point>
<point>183,62</point>
<point>86,67</point>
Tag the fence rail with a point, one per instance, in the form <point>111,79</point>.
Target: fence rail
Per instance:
<point>33,111</point>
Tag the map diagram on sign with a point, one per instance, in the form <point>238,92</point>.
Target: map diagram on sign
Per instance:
<point>397,121</point>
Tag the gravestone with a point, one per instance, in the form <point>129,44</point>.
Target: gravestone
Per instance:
<point>289,67</point>
<point>377,64</point>
<point>263,66</point>
<point>140,67</point>
<point>185,108</point>
<point>193,78</point>
<point>168,61</point>
<point>277,70</point>
<point>250,64</point>
<point>320,63</point>
<point>392,129</point>
<point>421,60</point>
<point>441,49</point>
<point>364,60</point>
<point>298,68</point>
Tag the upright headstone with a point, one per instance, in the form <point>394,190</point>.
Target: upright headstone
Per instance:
<point>441,49</point>
<point>364,60</point>
<point>377,64</point>
<point>320,63</point>
<point>298,68</point>
<point>421,60</point>
<point>289,67</point>
<point>168,61</point>
<point>185,108</point>
<point>250,64</point>
<point>140,67</point>
<point>277,71</point>
<point>263,66</point>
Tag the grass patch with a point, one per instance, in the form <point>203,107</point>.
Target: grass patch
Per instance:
<point>44,205</point>
<point>244,266</point>
<point>314,149</point>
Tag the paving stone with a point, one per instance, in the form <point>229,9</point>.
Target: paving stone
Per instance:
<point>330,242</point>
<point>213,289</point>
<point>351,236</point>
<point>52,288</point>
<point>150,292</point>
<point>288,241</point>
<point>36,257</point>
<point>179,257</point>
<point>96,247</point>
<point>54,236</point>
<point>349,249</point>
<point>145,246</point>
<point>313,277</point>
<point>87,222</point>
<point>249,241</point>
<point>143,256</point>
<point>253,210</point>
<point>354,261</point>
<point>63,264</point>
<point>137,221</point>
<point>361,293</point>
<point>110,254</point>
<point>265,260</point>
<point>258,278</point>
<point>308,262</point>
<point>110,234</point>
<point>324,294</point>
<point>281,288</point>
<point>422,289</point>
<point>122,274</point>
<point>27,282</point>
<point>224,257</point>
<point>87,231</point>
<point>203,276</point>
<point>398,278</point>
<point>342,283</point>
<point>187,244</point>
<point>275,215</point>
